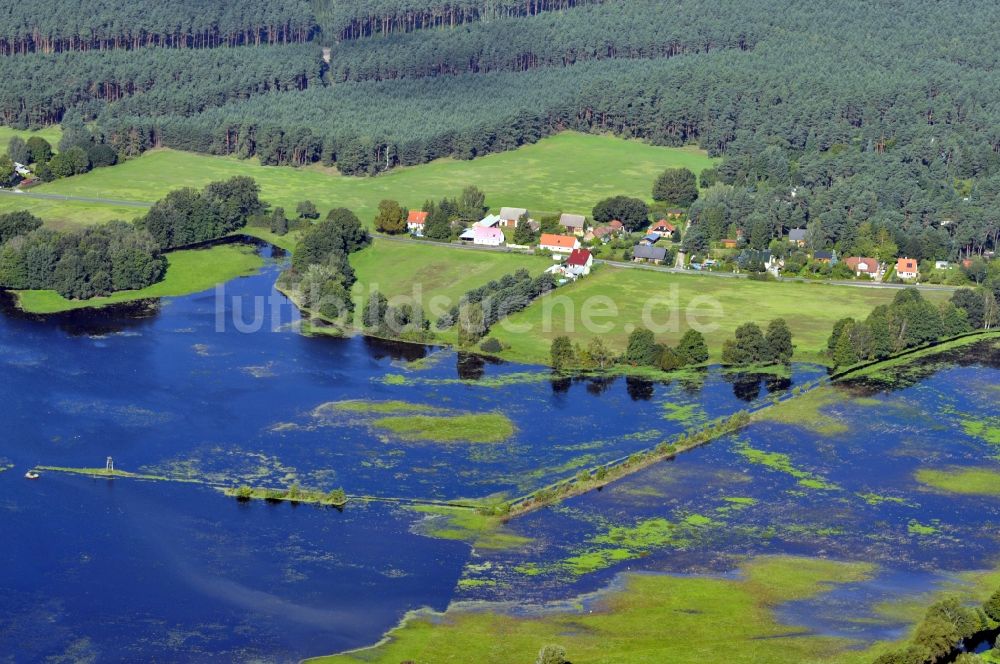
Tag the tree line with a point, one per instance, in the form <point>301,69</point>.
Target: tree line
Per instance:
<point>53,26</point>
<point>642,29</point>
<point>357,19</point>
<point>909,321</point>
<point>947,625</point>
<point>320,277</point>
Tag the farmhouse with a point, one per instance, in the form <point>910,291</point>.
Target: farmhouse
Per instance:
<point>647,253</point>
<point>860,266</point>
<point>663,227</point>
<point>487,236</point>
<point>826,257</point>
<point>906,268</point>
<point>797,236</point>
<point>580,262</point>
<point>415,222</point>
<point>510,217</point>
<point>562,244</point>
<point>573,223</point>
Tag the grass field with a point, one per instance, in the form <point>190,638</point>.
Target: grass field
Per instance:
<point>810,309</point>
<point>965,481</point>
<point>51,134</point>
<point>189,271</point>
<point>654,619</point>
<point>427,270</point>
<point>568,172</point>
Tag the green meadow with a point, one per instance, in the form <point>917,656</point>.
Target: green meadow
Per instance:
<point>429,270</point>
<point>965,481</point>
<point>614,300</point>
<point>51,134</point>
<point>188,271</point>
<point>655,618</point>
<point>569,172</point>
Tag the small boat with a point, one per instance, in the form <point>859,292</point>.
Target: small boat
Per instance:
<point>32,475</point>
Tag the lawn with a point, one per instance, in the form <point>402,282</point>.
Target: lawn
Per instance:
<point>568,172</point>
<point>189,271</point>
<point>965,481</point>
<point>655,618</point>
<point>51,134</point>
<point>614,300</point>
<point>428,270</point>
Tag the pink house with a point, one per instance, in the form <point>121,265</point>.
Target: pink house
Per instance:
<point>487,236</point>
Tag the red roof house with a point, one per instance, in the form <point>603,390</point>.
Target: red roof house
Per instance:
<point>580,262</point>
<point>906,268</point>
<point>416,220</point>
<point>560,243</point>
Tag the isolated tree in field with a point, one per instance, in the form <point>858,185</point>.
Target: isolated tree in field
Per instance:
<point>748,346</point>
<point>101,155</point>
<point>552,655</point>
<point>670,360</point>
<point>676,186</point>
<point>471,323</point>
<point>641,349</point>
<point>39,150</point>
<point>472,203</point>
<point>18,151</point>
<point>562,353</point>
<point>391,218</point>
<point>632,212</point>
<point>844,351</point>
<point>373,315</point>
<point>279,223</point>
<point>599,353</point>
<point>307,210</point>
<point>778,342</point>
<point>692,348</point>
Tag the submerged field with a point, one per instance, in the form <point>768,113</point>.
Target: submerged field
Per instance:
<point>569,172</point>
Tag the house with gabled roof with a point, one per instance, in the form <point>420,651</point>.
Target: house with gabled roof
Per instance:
<point>580,262</point>
<point>648,253</point>
<point>862,266</point>
<point>560,244</point>
<point>797,236</point>
<point>573,223</point>
<point>907,268</point>
<point>415,222</point>
<point>510,217</point>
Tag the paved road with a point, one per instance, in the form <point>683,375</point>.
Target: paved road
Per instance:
<point>82,199</point>
<point>472,247</point>
<point>677,270</point>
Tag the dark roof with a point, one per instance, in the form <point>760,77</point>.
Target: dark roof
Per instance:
<point>652,238</point>
<point>797,235</point>
<point>823,255</point>
<point>649,253</point>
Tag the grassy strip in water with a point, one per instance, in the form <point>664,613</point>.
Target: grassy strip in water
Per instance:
<point>335,498</point>
<point>588,480</point>
<point>383,407</point>
<point>782,463</point>
<point>655,618</point>
<point>109,474</point>
<point>468,525</point>
<point>964,481</point>
<point>806,410</point>
<point>472,427</point>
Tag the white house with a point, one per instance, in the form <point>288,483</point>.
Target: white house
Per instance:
<point>22,170</point>
<point>560,244</point>
<point>906,268</point>
<point>580,262</point>
<point>415,222</point>
<point>942,265</point>
<point>487,236</point>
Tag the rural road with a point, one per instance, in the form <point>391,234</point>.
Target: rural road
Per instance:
<point>677,270</point>
<point>82,199</point>
<point>470,247</point>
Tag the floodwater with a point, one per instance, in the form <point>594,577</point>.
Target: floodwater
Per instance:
<point>190,389</point>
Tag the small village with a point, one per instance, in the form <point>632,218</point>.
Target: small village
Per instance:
<point>575,243</point>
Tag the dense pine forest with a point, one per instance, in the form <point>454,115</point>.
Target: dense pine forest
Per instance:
<point>847,117</point>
